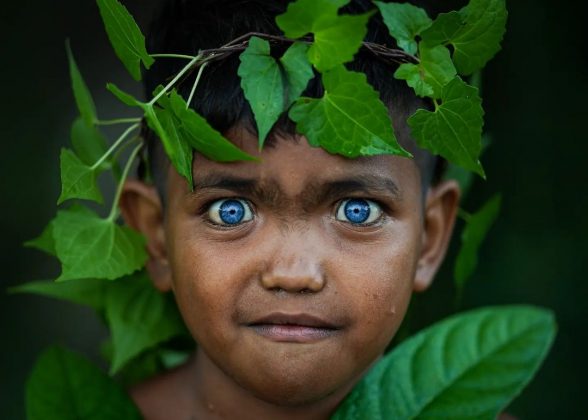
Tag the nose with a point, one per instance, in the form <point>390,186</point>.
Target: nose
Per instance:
<point>294,274</point>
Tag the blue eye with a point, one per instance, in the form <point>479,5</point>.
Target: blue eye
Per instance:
<point>358,211</point>
<point>230,212</point>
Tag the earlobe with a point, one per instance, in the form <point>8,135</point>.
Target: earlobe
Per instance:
<point>441,206</point>
<point>142,210</point>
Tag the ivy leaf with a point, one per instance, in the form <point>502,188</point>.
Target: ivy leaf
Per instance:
<point>66,386</point>
<point>125,36</point>
<point>469,366</point>
<point>91,247</point>
<point>77,179</point>
<point>475,32</point>
<point>201,136</point>
<point>176,147</point>
<point>263,86</point>
<point>140,317</point>
<point>298,71</point>
<point>476,229</point>
<point>44,242</point>
<point>434,71</point>
<point>299,18</point>
<point>336,38</point>
<point>81,92</point>
<point>454,129</point>
<point>404,22</point>
<point>349,119</point>
<point>87,292</point>
<point>88,143</point>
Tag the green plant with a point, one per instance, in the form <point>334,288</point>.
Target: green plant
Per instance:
<point>93,249</point>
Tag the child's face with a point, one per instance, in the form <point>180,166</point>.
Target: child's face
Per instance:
<point>285,281</point>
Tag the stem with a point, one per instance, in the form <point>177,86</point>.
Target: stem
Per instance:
<point>464,215</point>
<point>186,57</point>
<point>114,209</point>
<point>119,121</point>
<point>200,70</point>
<point>175,79</point>
<point>115,145</point>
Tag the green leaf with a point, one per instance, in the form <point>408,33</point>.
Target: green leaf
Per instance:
<point>469,366</point>
<point>140,317</point>
<point>91,247</point>
<point>77,179</point>
<point>201,136</point>
<point>124,97</point>
<point>464,177</point>
<point>336,38</point>
<point>434,71</point>
<point>44,242</point>
<point>263,85</point>
<point>87,292</point>
<point>81,92</point>
<point>298,71</point>
<point>66,386</point>
<point>476,229</point>
<point>88,143</point>
<point>349,119</point>
<point>404,22</point>
<point>475,35</point>
<point>454,129</point>
<point>179,152</point>
<point>125,36</point>
<point>299,18</point>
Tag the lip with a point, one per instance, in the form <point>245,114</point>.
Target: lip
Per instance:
<point>294,328</point>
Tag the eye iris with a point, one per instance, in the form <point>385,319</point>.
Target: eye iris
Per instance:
<point>357,211</point>
<point>231,212</point>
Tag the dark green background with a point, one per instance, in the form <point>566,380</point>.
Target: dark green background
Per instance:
<point>534,91</point>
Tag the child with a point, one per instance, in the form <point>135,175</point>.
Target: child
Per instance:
<point>292,273</point>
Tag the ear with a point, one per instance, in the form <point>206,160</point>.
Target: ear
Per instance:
<point>142,210</point>
<point>441,206</point>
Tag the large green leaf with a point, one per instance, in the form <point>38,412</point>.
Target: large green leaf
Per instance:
<point>88,292</point>
<point>125,36</point>
<point>454,129</point>
<point>91,247</point>
<point>44,242</point>
<point>81,92</point>
<point>476,229</point>
<point>349,119</point>
<point>201,136</point>
<point>298,71</point>
<point>78,180</point>
<point>140,317</point>
<point>469,366</point>
<point>263,85</point>
<point>336,38</point>
<point>404,21</point>
<point>475,32</point>
<point>88,143</point>
<point>433,72</point>
<point>66,386</point>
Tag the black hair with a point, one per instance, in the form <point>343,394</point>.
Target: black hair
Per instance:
<point>187,26</point>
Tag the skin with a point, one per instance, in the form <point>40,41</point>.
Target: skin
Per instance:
<point>244,291</point>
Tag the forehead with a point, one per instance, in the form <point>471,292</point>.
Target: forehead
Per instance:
<point>293,168</point>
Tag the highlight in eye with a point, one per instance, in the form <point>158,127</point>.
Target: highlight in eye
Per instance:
<point>358,211</point>
<point>230,212</point>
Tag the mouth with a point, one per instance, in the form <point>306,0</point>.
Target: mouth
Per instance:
<point>294,328</point>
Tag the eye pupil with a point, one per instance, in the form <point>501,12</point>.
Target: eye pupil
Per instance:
<point>231,212</point>
<point>357,211</point>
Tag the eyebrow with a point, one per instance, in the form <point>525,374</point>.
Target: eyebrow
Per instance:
<point>270,192</point>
